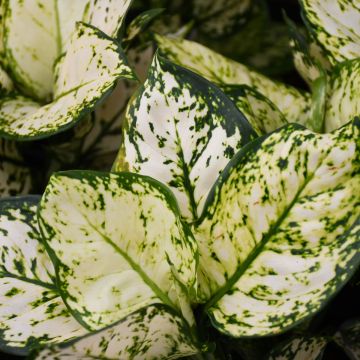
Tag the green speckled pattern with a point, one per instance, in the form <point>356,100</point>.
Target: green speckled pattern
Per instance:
<point>181,130</point>
<point>31,311</point>
<point>118,245</point>
<point>220,70</point>
<point>263,114</point>
<point>300,348</point>
<point>342,101</point>
<point>90,68</point>
<point>335,24</point>
<point>280,235</point>
<point>154,332</point>
<point>30,44</point>
<point>107,15</point>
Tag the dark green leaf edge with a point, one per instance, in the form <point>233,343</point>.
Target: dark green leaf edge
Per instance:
<point>85,110</point>
<point>242,156</point>
<point>125,179</point>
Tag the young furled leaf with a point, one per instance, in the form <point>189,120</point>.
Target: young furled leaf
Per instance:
<point>220,70</point>
<point>336,27</point>
<point>280,234</point>
<point>342,95</point>
<point>92,65</point>
<point>348,337</point>
<point>262,114</point>
<point>181,130</point>
<point>31,311</point>
<point>129,227</point>
<point>153,332</point>
<point>300,348</point>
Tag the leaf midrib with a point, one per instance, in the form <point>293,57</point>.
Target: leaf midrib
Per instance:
<point>257,250</point>
<point>157,291</point>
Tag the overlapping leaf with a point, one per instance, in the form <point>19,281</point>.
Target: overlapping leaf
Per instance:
<point>31,312</point>
<point>336,27</point>
<point>154,332</point>
<point>181,130</point>
<point>89,69</point>
<point>108,16</point>
<point>281,234</point>
<point>263,114</point>
<point>300,348</point>
<point>118,243</point>
<point>220,70</point>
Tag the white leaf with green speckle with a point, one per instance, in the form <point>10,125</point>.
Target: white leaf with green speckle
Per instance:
<point>262,114</point>
<point>30,44</point>
<point>220,70</point>
<point>181,130</point>
<point>348,337</point>
<point>280,233</point>
<point>107,15</point>
<point>31,311</point>
<point>343,94</point>
<point>90,68</point>
<point>336,27</point>
<point>300,348</point>
<point>305,64</point>
<point>154,332</point>
<point>118,243</point>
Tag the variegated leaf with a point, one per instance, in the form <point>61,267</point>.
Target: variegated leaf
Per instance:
<point>343,94</point>
<point>16,176</point>
<point>348,337</point>
<point>305,64</point>
<point>140,23</point>
<point>102,143</point>
<point>90,68</point>
<point>280,233</point>
<point>336,27</point>
<point>129,227</point>
<point>181,130</point>
<point>30,44</point>
<point>300,348</point>
<point>154,332</point>
<point>107,15</point>
<point>31,311</point>
<point>220,70</point>
<point>262,114</point>
<point>68,12</point>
